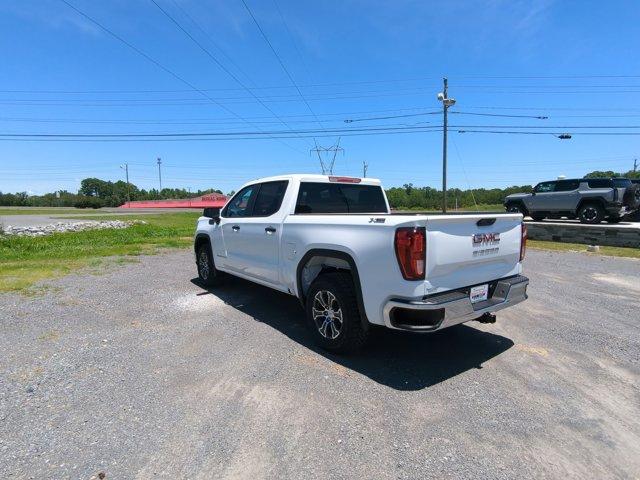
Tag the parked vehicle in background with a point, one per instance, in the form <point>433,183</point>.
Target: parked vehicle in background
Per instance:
<point>332,242</point>
<point>591,200</point>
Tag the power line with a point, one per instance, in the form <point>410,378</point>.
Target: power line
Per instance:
<point>225,120</point>
<point>283,134</point>
<point>631,134</point>
<point>356,82</point>
<point>155,62</point>
<point>218,63</point>
<point>437,113</point>
<point>266,39</point>
<point>211,40</point>
<point>293,40</point>
<point>597,109</point>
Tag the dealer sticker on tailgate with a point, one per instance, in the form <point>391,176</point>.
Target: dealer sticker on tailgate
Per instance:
<point>479,293</point>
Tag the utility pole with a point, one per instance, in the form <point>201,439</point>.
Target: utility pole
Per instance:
<point>635,165</point>
<point>125,167</point>
<point>446,103</point>
<point>365,167</point>
<point>159,174</point>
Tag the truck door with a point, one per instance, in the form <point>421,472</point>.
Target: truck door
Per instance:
<point>232,217</point>
<point>260,255</point>
<point>566,195</point>
<point>542,199</point>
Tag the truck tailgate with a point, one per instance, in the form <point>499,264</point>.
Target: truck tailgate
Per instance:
<point>465,250</point>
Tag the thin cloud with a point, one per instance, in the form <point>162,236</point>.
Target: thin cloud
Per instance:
<point>52,14</point>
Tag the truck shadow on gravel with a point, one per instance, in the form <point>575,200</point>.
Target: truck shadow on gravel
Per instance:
<point>400,360</point>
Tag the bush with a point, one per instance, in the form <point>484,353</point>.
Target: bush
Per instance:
<point>89,202</point>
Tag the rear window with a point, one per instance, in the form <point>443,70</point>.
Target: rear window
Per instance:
<point>340,198</point>
<point>567,185</point>
<point>599,183</point>
<point>621,182</point>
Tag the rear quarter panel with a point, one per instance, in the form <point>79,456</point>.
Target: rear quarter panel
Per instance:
<point>370,245</point>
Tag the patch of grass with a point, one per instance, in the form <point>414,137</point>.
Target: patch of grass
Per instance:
<point>27,260</point>
<point>577,247</point>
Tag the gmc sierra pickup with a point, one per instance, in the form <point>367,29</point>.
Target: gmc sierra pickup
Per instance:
<point>333,243</point>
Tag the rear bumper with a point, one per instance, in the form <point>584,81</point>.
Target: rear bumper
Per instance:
<point>443,310</point>
<point>618,210</point>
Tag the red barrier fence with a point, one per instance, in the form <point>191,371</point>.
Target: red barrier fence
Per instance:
<point>215,200</point>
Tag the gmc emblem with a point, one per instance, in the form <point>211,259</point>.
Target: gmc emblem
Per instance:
<point>485,239</point>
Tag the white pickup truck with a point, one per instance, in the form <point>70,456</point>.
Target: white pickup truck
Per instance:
<point>333,243</point>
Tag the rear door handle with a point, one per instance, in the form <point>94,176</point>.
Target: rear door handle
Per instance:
<point>235,228</point>
<point>270,230</point>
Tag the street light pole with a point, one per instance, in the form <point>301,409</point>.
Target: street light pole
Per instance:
<point>445,108</point>
<point>446,103</point>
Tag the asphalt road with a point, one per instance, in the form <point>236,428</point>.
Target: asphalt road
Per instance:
<point>138,372</point>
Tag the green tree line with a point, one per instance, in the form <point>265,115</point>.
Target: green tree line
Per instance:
<point>96,193</point>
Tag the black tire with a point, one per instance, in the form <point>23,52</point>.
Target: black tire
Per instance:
<point>614,219</point>
<point>591,213</point>
<point>207,273</point>
<point>538,218</point>
<point>514,207</point>
<point>341,321</point>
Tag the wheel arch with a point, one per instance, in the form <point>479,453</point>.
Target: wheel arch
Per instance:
<point>585,201</point>
<point>328,260</point>
<point>517,202</point>
<point>200,239</point>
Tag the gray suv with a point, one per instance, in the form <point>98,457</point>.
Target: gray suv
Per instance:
<point>591,200</point>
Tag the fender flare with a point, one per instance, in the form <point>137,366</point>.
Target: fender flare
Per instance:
<point>516,202</point>
<point>597,200</point>
<point>323,252</point>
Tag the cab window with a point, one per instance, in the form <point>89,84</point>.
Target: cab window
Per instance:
<point>269,198</point>
<point>242,204</point>
<point>545,187</point>
<point>567,185</point>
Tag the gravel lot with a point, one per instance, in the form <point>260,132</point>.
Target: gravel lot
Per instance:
<point>138,372</point>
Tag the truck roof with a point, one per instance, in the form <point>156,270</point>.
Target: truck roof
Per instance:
<point>309,177</point>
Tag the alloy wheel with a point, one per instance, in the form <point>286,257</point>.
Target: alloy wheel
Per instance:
<point>327,314</point>
<point>203,264</point>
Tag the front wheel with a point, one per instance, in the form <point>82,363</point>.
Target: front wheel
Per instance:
<point>207,272</point>
<point>516,208</point>
<point>591,213</point>
<point>333,314</point>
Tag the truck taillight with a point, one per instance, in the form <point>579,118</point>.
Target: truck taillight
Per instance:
<point>523,240</point>
<point>411,247</point>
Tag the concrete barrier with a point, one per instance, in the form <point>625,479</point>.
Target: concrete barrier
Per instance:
<point>619,235</point>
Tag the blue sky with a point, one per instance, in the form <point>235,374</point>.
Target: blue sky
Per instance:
<point>576,62</point>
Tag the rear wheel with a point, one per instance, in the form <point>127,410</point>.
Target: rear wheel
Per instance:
<point>333,314</point>
<point>207,272</point>
<point>591,213</point>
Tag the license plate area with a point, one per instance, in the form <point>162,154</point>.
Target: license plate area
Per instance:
<point>479,293</point>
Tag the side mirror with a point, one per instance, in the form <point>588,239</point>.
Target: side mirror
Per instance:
<point>215,220</point>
